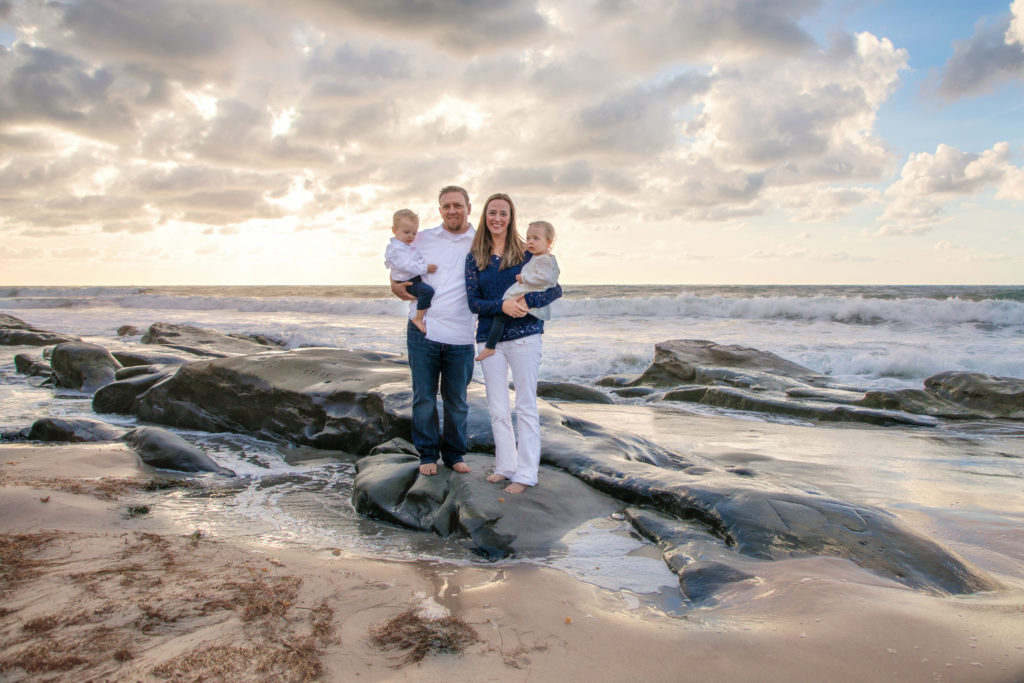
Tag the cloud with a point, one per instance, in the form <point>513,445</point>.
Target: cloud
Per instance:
<point>1015,31</point>
<point>928,181</point>
<point>985,60</point>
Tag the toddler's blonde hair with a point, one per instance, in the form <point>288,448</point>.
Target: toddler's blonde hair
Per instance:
<point>404,213</point>
<point>549,230</point>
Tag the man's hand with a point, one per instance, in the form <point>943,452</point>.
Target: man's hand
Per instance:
<point>516,308</point>
<point>398,289</point>
<point>432,268</point>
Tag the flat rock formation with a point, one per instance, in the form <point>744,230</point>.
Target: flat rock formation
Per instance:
<point>16,332</point>
<point>203,342</point>
<point>356,401</point>
<point>742,378</point>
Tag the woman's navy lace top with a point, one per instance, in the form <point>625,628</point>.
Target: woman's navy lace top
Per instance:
<point>484,289</point>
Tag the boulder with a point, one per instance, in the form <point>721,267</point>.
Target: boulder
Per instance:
<point>202,342</point>
<point>149,357</point>
<point>16,332</point>
<point>83,366</point>
<point>566,391</point>
<point>167,451</point>
<point>78,430</point>
<point>472,511</point>
<point>121,396</point>
<point>326,398</point>
<point>353,401</point>
<point>978,392</point>
<point>27,365</point>
<point>128,331</point>
<point>681,361</point>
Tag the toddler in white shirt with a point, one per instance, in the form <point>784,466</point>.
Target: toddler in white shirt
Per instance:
<point>407,264</point>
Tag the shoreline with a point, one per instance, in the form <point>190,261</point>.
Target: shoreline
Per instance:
<point>171,604</point>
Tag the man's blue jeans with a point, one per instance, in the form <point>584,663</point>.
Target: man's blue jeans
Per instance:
<point>450,368</point>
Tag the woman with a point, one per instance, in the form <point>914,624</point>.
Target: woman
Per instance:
<point>494,260</point>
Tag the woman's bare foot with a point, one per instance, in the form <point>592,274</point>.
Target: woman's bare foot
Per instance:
<point>486,353</point>
<point>460,467</point>
<point>420,325</point>
<point>428,469</point>
<point>514,487</point>
<point>496,478</point>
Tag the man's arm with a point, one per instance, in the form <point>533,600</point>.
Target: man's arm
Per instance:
<point>398,289</point>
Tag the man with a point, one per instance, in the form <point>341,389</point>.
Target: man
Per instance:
<point>442,358</point>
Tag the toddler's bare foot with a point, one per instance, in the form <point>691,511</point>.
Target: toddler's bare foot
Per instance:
<point>428,469</point>
<point>460,467</point>
<point>514,487</point>
<point>496,478</point>
<point>420,325</point>
<point>486,353</point>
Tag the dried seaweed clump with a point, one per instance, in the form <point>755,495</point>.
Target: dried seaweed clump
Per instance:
<point>411,631</point>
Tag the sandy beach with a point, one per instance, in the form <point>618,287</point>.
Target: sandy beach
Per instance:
<point>99,584</point>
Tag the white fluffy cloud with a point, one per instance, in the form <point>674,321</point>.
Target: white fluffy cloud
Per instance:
<point>929,181</point>
<point>232,120</point>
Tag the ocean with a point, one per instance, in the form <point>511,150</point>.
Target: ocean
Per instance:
<point>962,484</point>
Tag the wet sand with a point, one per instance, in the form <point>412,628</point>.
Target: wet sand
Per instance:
<point>91,591</point>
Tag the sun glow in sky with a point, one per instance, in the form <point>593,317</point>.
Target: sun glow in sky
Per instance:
<point>708,141</point>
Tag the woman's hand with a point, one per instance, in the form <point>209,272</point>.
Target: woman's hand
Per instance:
<point>515,308</point>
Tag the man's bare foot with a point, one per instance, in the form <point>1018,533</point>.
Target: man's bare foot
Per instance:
<point>486,353</point>
<point>514,487</point>
<point>420,325</point>
<point>460,467</point>
<point>496,478</point>
<point>428,469</point>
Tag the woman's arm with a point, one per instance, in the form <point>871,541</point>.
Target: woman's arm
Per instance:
<point>542,299</point>
<point>477,303</point>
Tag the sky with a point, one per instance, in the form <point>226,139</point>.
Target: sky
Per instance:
<point>167,142</point>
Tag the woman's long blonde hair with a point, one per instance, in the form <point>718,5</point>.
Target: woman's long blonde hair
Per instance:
<point>483,242</point>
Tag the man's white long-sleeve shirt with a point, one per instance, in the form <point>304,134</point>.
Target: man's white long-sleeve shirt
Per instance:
<point>448,320</point>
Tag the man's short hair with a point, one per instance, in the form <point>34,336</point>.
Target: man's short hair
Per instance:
<point>452,188</point>
<point>404,213</point>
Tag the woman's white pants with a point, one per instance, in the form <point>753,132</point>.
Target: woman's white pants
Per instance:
<point>520,461</point>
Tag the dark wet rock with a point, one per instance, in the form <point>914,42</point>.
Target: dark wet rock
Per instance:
<point>916,401</point>
<point>617,380</point>
<point>472,511</point>
<point>566,391</point>
<point>128,331</point>
<point>150,357</point>
<point>353,401</point>
<point>83,366</point>
<point>33,367</point>
<point>975,391</point>
<point>136,370</point>
<point>393,446</point>
<point>122,396</point>
<point>78,430</point>
<point>202,342</point>
<point>736,399</point>
<point>15,434</point>
<point>16,332</point>
<point>702,579</point>
<point>634,392</point>
<point>327,398</point>
<point>698,361</point>
<point>167,451</point>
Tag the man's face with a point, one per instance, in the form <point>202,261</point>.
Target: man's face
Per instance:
<point>454,212</point>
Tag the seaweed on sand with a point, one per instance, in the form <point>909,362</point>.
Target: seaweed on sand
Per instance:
<point>420,636</point>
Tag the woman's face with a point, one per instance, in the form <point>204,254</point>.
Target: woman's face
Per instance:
<point>497,217</point>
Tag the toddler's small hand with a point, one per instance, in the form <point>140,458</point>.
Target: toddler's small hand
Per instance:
<point>432,268</point>
<point>519,278</point>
